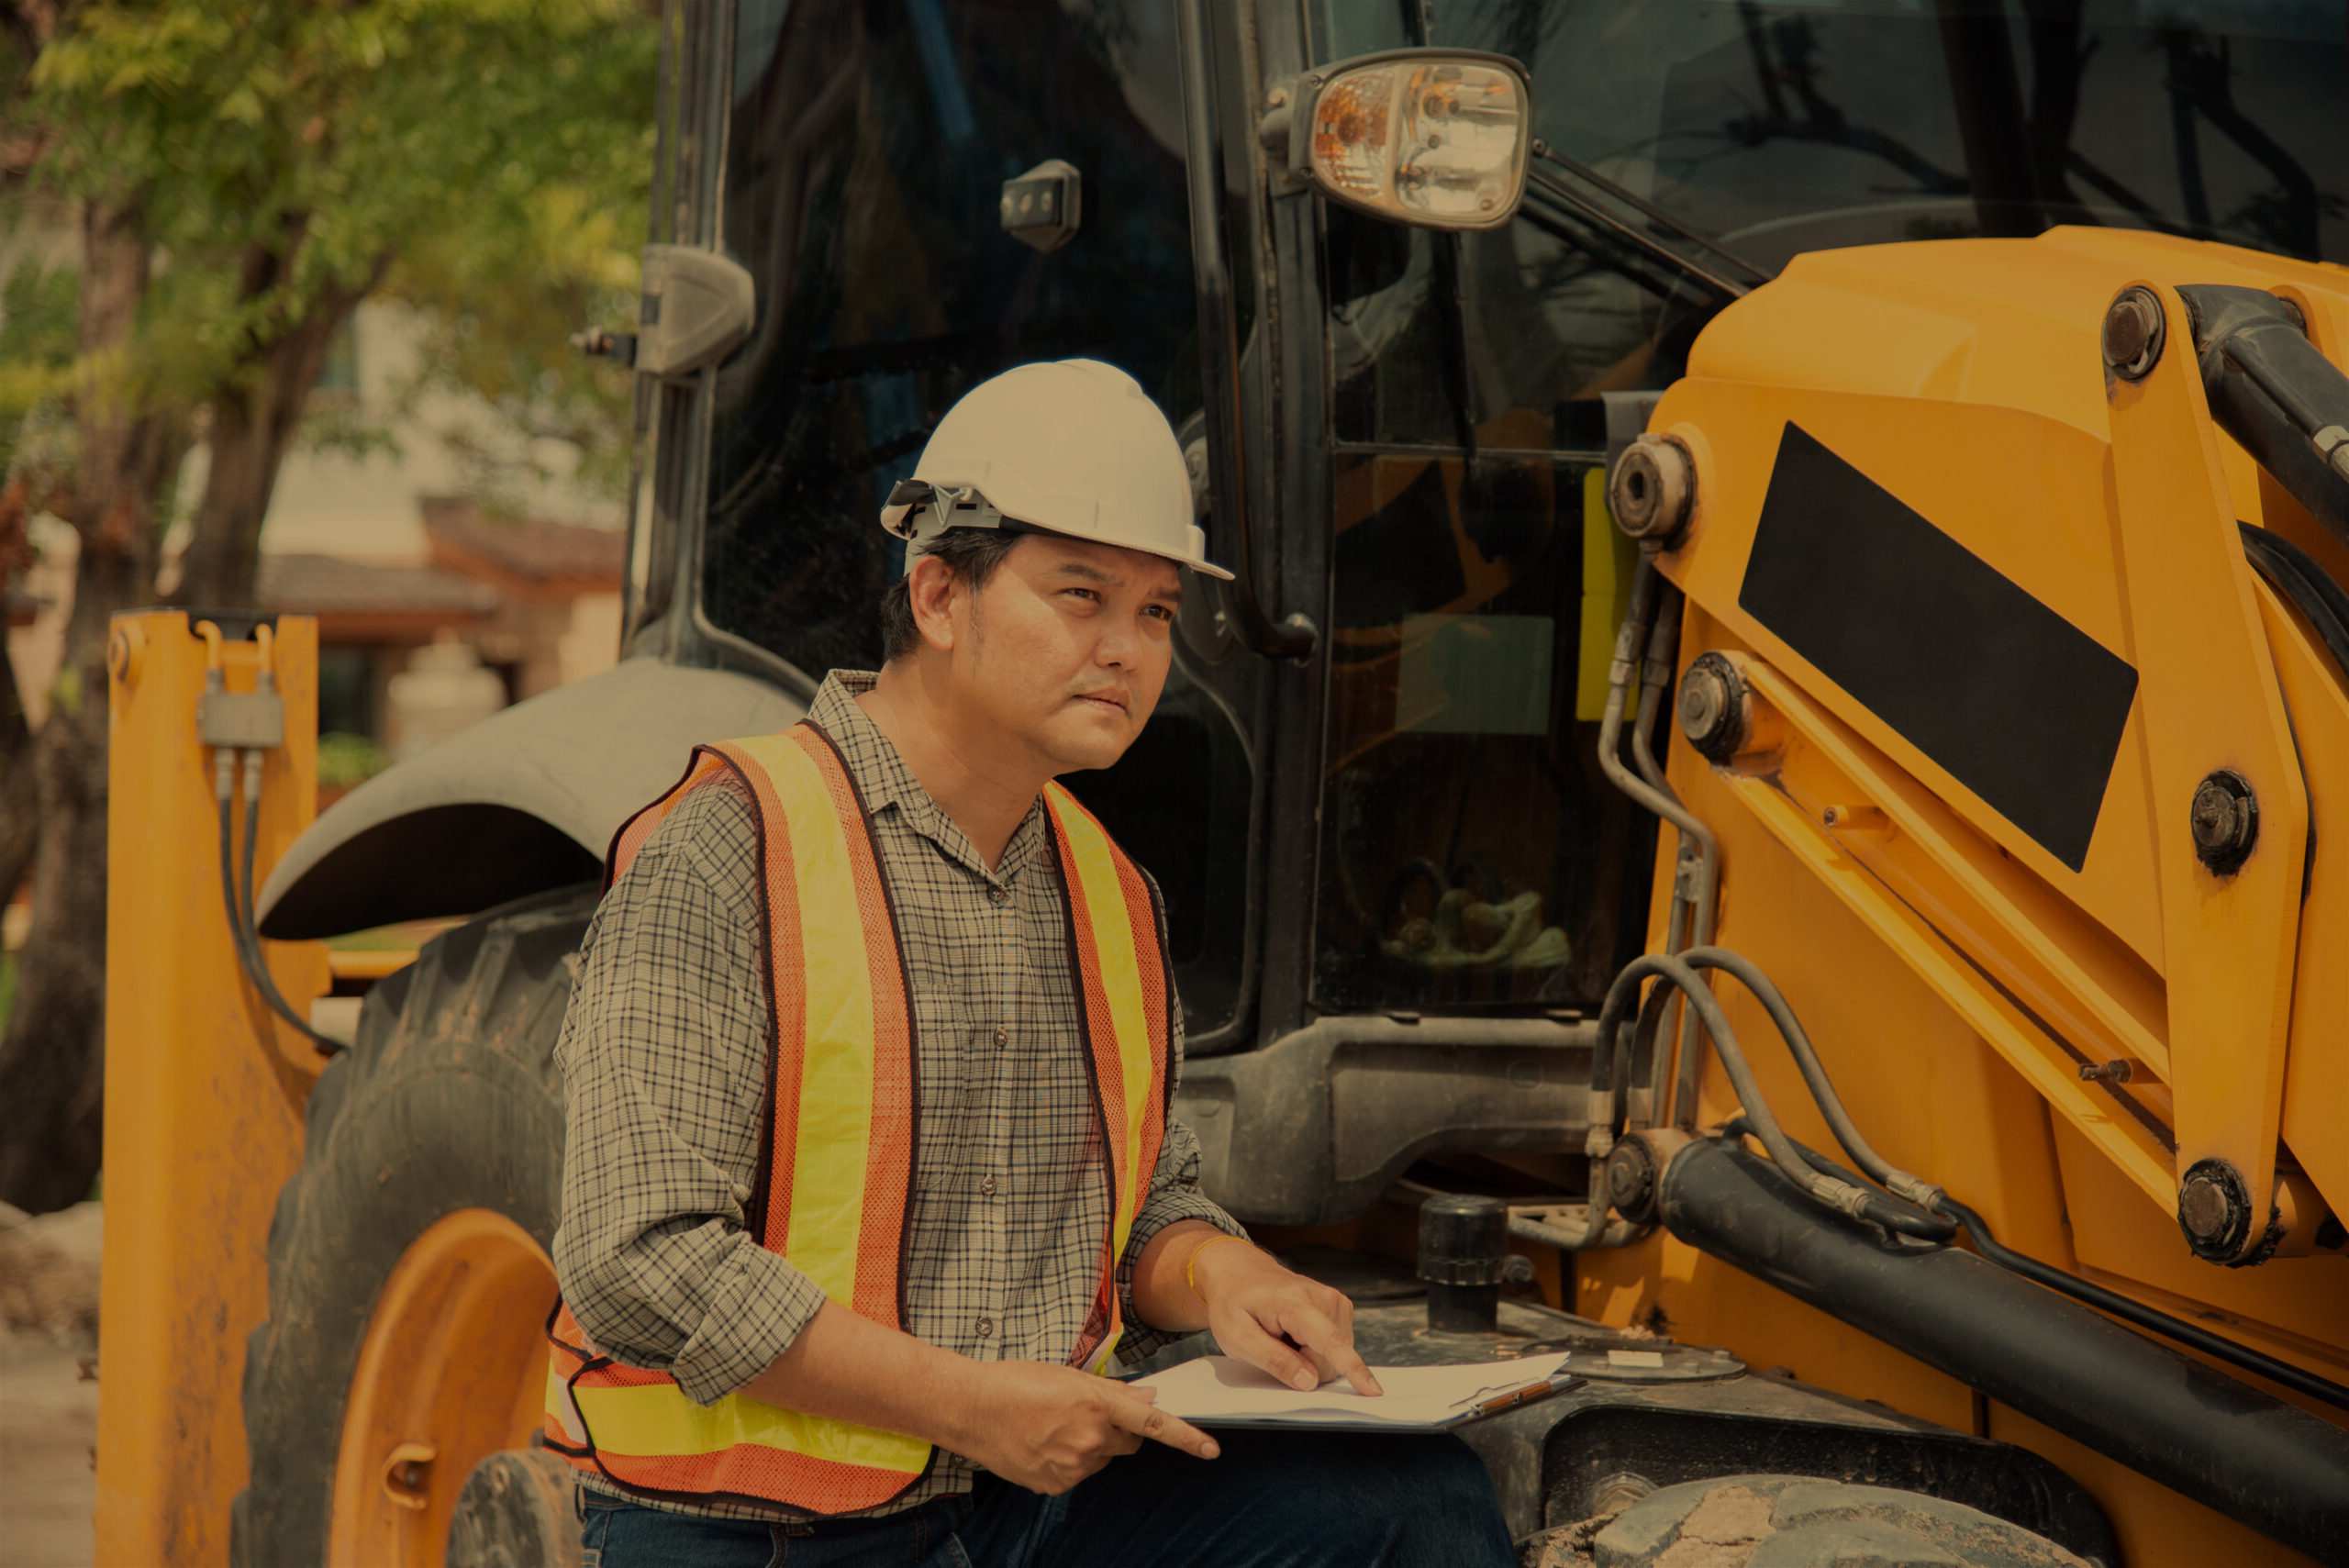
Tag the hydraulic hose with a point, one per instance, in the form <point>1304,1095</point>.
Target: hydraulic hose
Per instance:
<point>1829,1191</point>
<point>2189,1426</point>
<point>1839,1121</point>
<point>1638,623</point>
<point>1608,1055</point>
<point>2213,1345</point>
<point>236,892</point>
<point>2276,393</point>
<point>1692,883</point>
<point>2298,575</point>
<point>1900,1183</point>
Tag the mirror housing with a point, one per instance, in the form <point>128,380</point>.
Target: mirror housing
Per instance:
<point>1434,138</point>
<point>696,308</point>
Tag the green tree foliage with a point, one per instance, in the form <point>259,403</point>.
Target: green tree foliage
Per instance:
<point>483,160</point>
<point>36,352</point>
<point>244,173</point>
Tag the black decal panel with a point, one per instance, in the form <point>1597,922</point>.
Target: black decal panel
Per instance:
<point>2021,705</point>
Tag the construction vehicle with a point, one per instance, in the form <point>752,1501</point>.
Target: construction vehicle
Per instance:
<point>1761,810</point>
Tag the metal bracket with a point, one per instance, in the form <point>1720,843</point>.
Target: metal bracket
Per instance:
<point>241,719</point>
<point>2209,699</point>
<point>697,307</point>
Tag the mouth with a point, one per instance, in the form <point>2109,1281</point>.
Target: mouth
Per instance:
<point>1115,702</point>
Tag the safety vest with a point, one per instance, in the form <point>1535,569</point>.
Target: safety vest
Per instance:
<point>836,1171</point>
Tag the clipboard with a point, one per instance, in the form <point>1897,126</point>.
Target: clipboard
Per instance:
<point>1218,1392</point>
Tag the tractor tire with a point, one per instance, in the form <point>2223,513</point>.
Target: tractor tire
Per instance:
<point>408,1273</point>
<point>1795,1521</point>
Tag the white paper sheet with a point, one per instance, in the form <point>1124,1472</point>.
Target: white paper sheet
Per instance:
<point>1219,1390</point>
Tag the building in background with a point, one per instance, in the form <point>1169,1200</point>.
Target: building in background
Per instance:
<point>378,539</point>
<point>557,586</point>
<point>534,603</point>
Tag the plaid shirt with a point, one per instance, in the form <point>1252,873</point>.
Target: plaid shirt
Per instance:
<point>663,1053</point>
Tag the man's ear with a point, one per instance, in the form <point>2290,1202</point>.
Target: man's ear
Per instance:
<point>931,589</point>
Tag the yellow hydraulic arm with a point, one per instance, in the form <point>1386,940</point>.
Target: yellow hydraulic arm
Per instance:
<point>205,1085</point>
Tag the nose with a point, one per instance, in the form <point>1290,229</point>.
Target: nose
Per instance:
<point>1119,643</point>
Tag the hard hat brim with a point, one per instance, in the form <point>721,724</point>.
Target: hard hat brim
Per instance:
<point>898,519</point>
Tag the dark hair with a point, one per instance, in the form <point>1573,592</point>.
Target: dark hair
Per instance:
<point>971,554</point>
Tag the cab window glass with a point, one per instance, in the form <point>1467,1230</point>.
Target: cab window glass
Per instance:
<point>1471,851</point>
<point>1783,125</point>
<point>866,153</point>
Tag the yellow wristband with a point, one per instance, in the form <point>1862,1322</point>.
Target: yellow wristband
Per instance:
<point>1191,1265</point>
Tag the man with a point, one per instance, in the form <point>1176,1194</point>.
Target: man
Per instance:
<point>870,1169</point>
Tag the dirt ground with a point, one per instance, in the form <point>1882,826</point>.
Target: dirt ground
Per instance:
<point>49,1408</point>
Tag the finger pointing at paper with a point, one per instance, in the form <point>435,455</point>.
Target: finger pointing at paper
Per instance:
<point>1298,1329</point>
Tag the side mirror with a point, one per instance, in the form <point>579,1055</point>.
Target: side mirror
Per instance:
<point>1434,138</point>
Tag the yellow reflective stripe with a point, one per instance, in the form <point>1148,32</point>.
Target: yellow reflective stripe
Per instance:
<point>836,1087</point>
<point>560,1408</point>
<point>1121,980</point>
<point>656,1418</point>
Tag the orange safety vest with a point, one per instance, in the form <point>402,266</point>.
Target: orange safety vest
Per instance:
<point>838,1162</point>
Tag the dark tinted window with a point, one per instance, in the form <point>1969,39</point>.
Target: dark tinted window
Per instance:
<point>1783,125</point>
<point>867,150</point>
<point>1471,851</point>
<point>867,153</point>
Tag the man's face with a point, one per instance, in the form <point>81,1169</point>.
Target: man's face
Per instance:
<point>1065,649</point>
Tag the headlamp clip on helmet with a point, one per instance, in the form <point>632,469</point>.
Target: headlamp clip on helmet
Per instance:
<point>931,509</point>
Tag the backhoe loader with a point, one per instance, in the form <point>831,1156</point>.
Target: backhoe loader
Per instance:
<point>1768,808</point>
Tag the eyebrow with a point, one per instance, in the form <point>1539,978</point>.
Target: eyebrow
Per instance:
<point>1172,593</point>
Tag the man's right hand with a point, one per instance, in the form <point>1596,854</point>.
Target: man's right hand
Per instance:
<point>1047,1428</point>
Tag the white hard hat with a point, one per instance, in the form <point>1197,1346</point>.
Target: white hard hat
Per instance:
<point>1071,447</point>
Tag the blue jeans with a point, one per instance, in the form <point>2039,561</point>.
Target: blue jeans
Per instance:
<point>1273,1500</point>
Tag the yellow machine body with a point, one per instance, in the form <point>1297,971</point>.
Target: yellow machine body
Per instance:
<point>204,1088</point>
<point>1955,972</point>
<point>206,1094</point>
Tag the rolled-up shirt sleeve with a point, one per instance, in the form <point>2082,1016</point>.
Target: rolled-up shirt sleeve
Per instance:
<point>663,1053</point>
<point>1173,1195</point>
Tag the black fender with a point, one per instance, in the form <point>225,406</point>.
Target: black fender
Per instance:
<point>523,801</point>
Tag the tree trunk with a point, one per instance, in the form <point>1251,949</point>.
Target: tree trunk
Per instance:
<point>51,1057</point>
<point>51,1070</point>
<point>255,413</point>
<point>19,801</point>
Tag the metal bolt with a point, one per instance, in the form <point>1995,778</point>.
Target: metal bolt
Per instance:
<point>1712,708</point>
<point>1630,1178</point>
<point>2214,1210</point>
<point>2225,821</point>
<point>1635,1170</point>
<point>2134,329</point>
<point>2106,1072</point>
<point>2203,1208</point>
<point>1651,490</point>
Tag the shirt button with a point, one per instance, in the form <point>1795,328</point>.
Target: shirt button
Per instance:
<point>1002,1038</point>
<point>985,1327</point>
<point>987,1187</point>
<point>999,895</point>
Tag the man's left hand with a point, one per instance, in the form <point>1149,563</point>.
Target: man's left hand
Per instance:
<point>1298,1329</point>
